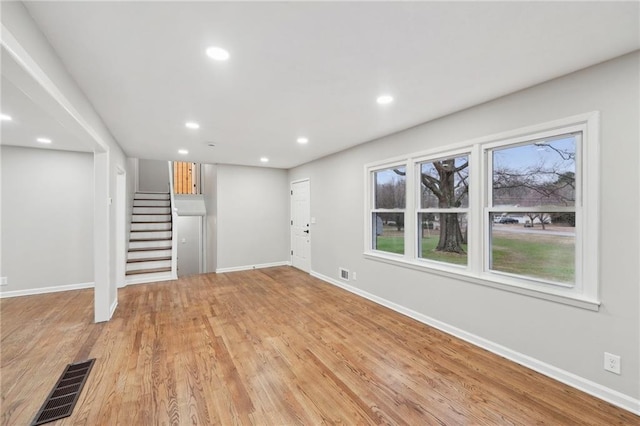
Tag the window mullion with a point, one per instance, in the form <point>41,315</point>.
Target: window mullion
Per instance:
<point>410,220</point>
<point>476,196</point>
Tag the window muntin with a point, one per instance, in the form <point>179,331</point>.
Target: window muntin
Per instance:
<point>388,213</point>
<point>442,212</point>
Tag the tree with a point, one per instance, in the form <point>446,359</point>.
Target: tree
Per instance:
<point>545,180</point>
<point>391,194</point>
<point>448,183</point>
<point>544,218</point>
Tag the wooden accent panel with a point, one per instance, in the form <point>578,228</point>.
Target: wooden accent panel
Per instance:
<point>271,346</point>
<point>183,177</point>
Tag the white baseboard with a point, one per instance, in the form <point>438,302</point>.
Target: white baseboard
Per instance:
<point>113,307</point>
<point>44,290</point>
<point>249,267</point>
<point>599,391</point>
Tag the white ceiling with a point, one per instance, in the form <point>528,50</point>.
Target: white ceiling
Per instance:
<point>313,69</point>
<point>35,114</point>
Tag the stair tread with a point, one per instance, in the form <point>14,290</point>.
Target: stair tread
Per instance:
<point>150,230</point>
<point>149,249</point>
<point>148,271</point>
<point>149,259</point>
<point>150,221</point>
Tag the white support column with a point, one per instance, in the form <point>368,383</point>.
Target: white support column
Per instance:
<point>102,301</point>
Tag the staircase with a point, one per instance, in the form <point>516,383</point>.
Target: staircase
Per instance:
<point>149,256</point>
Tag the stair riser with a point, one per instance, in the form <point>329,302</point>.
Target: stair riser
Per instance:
<point>153,195</point>
<point>144,235</point>
<point>147,254</point>
<point>151,218</point>
<point>148,265</point>
<point>151,226</point>
<point>151,210</point>
<point>157,203</point>
<point>146,244</point>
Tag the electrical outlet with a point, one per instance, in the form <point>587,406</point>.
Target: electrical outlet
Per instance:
<point>612,363</point>
<point>4,281</point>
<point>353,275</point>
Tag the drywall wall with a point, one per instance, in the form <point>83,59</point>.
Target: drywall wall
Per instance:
<point>47,218</point>
<point>569,338</point>
<point>22,37</point>
<point>252,216</point>
<point>153,176</point>
<point>210,194</point>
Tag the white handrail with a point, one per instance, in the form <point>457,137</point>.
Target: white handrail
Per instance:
<point>174,227</point>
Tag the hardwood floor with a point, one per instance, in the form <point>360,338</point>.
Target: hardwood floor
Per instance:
<point>266,347</point>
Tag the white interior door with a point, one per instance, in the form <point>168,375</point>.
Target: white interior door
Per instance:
<point>300,226</point>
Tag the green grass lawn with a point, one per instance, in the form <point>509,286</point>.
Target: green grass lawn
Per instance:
<point>546,257</point>
<point>538,258</point>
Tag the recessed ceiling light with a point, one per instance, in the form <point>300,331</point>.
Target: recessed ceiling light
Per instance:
<point>5,117</point>
<point>217,53</point>
<point>302,140</point>
<point>264,159</point>
<point>384,99</point>
<point>183,151</point>
<point>44,140</point>
<point>192,125</point>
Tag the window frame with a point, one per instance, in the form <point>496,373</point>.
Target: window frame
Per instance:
<point>371,200</point>
<point>584,293</point>
<point>418,209</point>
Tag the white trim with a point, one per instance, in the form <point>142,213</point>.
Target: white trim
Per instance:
<point>113,307</point>
<point>174,225</point>
<point>249,267</point>
<point>539,290</point>
<point>45,290</point>
<point>592,388</point>
<point>121,226</point>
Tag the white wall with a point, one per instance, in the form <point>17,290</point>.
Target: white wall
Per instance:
<point>47,218</point>
<point>153,176</point>
<point>252,216</point>
<point>565,337</point>
<point>210,193</point>
<point>22,37</point>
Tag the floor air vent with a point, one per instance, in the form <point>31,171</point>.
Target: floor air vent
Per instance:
<point>65,393</point>
<point>344,274</point>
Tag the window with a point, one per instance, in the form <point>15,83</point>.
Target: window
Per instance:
<point>532,209</point>
<point>388,213</point>
<point>517,211</point>
<point>442,212</point>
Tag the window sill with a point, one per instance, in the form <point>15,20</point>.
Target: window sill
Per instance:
<point>559,295</point>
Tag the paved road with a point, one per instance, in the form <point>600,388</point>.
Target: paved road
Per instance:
<point>519,229</point>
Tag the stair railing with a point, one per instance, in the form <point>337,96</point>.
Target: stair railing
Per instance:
<point>174,227</point>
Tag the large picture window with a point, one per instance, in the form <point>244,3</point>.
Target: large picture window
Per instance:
<point>517,211</point>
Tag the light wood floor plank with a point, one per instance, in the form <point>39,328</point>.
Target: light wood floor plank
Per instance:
<point>266,347</point>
